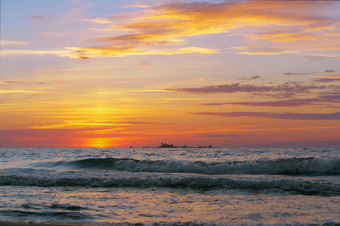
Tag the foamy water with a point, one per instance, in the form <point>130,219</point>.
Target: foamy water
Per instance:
<point>170,186</point>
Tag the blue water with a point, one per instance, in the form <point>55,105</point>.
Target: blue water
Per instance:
<point>170,186</point>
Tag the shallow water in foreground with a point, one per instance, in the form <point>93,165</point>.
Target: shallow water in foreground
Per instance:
<point>167,186</point>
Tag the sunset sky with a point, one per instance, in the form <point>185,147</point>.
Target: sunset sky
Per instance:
<point>120,73</point>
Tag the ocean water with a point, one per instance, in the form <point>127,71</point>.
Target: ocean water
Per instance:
<point>175,186</point>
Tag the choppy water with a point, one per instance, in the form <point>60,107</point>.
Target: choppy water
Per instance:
<point>170,186</point>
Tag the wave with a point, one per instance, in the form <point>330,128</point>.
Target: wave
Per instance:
<point>15,214</point>
<point>292,166</point>
<point>293,186</point>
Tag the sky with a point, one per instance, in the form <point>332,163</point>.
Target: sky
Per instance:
<point>86,73</point>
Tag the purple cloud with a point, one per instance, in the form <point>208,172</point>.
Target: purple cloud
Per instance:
<point>297,73</point>
<point>308,73</point>
<point>328,98</point>
<point>294,116</point>
<point>292,87</point>
<point>326,80</point>
<point>281,103</point>
<point>251,78</point>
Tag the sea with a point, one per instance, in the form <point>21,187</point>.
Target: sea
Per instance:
<point>170,186</point>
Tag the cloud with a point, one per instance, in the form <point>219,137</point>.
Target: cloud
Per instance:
<point>23,91</point>
<point>39,17</point>
<point>282,103</point>
<point>297,73</point>
<point>112,51</point>
<point>136,6</point>
<point>10,52</point>
<point>321,57</point>
<point>251,78</point>
<point>171,23</point>
<point>105,124</point>
<point>308,73</point>
<point>292,116</point>
<point>319,35</point>
<point>9,42</point>
<point>263,50</point>
<point>13,82</point>
<point>268,28</point>
<point>327,80</point>
<point>332,97</point>
<point>326,76</point>
<point>99,21</point>
<point>288,87</point>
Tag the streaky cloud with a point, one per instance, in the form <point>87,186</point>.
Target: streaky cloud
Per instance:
<point>282,103</point>
<point>327,80</point>
<point>308,73</point>
<point>250,88</point>
<point>11,42</point>
<point>251,78</point>
<point>290,116</point>
<point>43,17</point>
<point>99,21</point>
<point>136,6</point>
<point>333,97</point>
<point>13,82</point>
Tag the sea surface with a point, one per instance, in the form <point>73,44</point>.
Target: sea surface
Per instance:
<point>170,186</point>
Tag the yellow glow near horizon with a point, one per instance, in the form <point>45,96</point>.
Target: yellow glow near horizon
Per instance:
<point>103,142</point>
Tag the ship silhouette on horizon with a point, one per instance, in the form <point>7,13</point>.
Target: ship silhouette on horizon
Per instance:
<point>166,145</point>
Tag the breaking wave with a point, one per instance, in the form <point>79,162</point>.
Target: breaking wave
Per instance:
<point>296,186</point>
<point>292,166</point>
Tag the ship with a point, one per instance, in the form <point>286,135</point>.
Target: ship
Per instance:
<point>165,145</point>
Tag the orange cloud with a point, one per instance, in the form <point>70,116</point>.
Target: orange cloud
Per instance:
<point>78,124</point>
<point>163,24</point>
<point>114,51</point>
<point>326,76</point>
<point>23,91</point>
<point>39,17</point>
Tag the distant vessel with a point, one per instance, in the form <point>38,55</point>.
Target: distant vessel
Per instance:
<point>205,146</point>
<point>165,145</point>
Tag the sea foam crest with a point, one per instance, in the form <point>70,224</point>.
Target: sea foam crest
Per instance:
<point>293,166</point>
